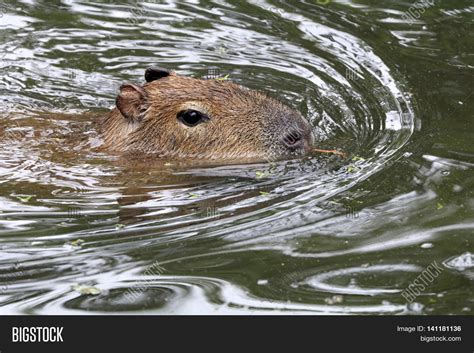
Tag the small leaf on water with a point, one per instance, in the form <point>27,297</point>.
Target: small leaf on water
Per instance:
<point>24,199</point>
<point>264,193</point>
<point>193,195</point>
<point>86,290</point>
<point>357,158</point>
<point>120,226</point>
<point>439,206</point>
<point>77,242</point>
<point>260,174</point>
<point>226,77</point>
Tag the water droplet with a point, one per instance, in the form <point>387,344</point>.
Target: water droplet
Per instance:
<point>262,282</point>
<point>445,172</point>
<point>426,245</point>
<point>415,307</point>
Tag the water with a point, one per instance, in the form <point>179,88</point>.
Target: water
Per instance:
<point>388,83</point>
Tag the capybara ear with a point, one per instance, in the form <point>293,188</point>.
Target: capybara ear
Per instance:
<point>154,73</point>
<point>131,101</point>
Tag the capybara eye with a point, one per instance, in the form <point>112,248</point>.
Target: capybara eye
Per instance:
<point>192,117</point>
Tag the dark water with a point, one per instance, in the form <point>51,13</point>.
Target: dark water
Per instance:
<point>388,82</point>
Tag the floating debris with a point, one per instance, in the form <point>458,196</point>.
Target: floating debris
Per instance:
<point>351,169</point>
<point>335,299</point>
<point>259,174</point>
<point>342,154</point>
<point>77,243</point>
<point>23,198</point>
<point>86,290</point>
<point>225,78</point>
<point>357,158</point>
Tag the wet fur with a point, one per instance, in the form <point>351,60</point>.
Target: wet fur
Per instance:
<point>243,123</point>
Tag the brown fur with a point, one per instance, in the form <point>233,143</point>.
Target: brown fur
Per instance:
<point>243,123</point>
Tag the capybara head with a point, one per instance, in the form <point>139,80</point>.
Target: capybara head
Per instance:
<point>181,117</point>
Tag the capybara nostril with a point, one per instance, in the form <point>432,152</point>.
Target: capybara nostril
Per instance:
<point>292,139</point>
